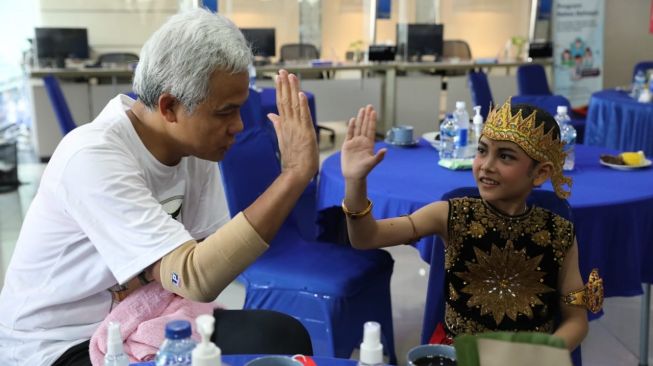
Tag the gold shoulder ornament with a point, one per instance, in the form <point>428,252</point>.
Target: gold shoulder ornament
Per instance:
<point>590,296</point>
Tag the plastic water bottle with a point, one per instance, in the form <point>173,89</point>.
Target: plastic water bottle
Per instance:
<point>115,355</point>
<point>371,350</point>
<point>448,133</point>
<point>567,136</point>
<point>251,70</point>
<point>177,348</point>
<point>639,83</point>
<point>462,119</point>
<point>478,125</point>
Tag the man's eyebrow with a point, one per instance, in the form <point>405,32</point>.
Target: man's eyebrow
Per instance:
<point>480,142</point>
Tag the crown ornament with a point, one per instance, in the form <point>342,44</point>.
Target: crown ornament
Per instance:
<point>502,125</point>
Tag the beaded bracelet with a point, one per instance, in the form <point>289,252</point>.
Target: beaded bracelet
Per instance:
<point>355,215</point>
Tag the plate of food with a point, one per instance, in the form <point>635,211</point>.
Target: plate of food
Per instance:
<point>432,138</point>
<point>625,161</point>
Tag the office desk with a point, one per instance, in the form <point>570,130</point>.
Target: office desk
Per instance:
<point>388,104</point>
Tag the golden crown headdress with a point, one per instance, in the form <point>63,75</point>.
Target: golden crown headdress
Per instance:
<point>502,125</point>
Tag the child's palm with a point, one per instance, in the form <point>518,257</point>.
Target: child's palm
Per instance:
<point>357,156</point>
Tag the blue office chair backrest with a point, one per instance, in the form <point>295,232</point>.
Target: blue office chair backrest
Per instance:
<point>481,93</point>
<point>642,65</point>
<point>59,105</point>
<point>549,103</point>
<point>531,80</point>
<point>435,300</point>
<point>254,155</point>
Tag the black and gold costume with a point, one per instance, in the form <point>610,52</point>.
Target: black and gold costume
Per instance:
<point>502,271</point>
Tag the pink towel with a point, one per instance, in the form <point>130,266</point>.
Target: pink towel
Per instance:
<point>142,317</point>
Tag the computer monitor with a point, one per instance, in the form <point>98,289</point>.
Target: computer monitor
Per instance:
<point>417,40</point>
<point>262,41</point>
<point>60,43</point>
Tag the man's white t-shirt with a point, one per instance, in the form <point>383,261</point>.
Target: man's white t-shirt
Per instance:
<point>105,210</point>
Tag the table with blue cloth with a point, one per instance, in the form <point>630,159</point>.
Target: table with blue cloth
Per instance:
<point>240,360</point>
<point>617,121</point>
<point>612,209</point>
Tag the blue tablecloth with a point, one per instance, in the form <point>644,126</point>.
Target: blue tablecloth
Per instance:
<point>240,360</point>
<point>613,210</point>
<point>617,121</point>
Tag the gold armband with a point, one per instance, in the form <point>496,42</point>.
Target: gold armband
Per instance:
<point>355,215</point>
<point>590,296</point>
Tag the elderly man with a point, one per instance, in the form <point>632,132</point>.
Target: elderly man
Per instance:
<point>130,195</point>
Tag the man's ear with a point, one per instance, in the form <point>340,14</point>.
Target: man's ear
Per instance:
<point>168,106</point>
<point>541,173</point>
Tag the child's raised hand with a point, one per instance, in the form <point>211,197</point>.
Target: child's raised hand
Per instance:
<point>357,157</point>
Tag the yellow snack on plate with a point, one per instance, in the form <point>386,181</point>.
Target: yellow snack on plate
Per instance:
<point>633,158</point>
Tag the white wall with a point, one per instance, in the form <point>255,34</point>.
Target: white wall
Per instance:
<point>627,39</point>
<point>113,25</point>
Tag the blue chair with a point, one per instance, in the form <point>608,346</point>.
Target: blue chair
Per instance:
<point>435,299</point>
<point>550,104</point>
<point>531,80</point>
<point>642,66</point>
<point>332,289</point>
<point>481,92</point>
<point>59,105</point>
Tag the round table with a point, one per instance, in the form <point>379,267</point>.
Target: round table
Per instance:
<point>240,360</point>
<point>612,209</point>
<point>617,121</point>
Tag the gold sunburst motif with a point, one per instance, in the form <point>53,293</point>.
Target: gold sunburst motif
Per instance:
<point>504,283</point>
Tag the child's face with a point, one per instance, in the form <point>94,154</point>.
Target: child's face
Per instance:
<point>503,173</point>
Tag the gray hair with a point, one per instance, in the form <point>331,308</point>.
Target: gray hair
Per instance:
<point>180,57</point>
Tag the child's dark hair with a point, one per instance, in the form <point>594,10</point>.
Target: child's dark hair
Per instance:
<point>541,117</point>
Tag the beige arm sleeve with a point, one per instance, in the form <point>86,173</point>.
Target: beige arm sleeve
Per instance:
<point>200,271</point>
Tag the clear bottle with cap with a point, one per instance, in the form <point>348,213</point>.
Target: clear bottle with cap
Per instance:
<point>206,353</point>
<point>371,350</point>
<point>477,122</point>
<point>115,355</point>
<point>448,133</point>
<point>567,136</point>
<point>177,347</point>
<point>462,120</point>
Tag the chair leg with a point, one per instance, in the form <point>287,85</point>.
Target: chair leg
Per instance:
<point>644,325</point>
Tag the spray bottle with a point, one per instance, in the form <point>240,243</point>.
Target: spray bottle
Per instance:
<point>115,355</point>
<point>206,353</point>
<point>371,350</point>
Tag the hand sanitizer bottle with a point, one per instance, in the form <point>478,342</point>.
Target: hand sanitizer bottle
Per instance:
<point>371,350</point>
<point>206,353</point>
<point>115,355</point>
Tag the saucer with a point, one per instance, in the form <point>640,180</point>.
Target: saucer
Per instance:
<point>430,137</point>
<point>401,144</point>
<point>646,163</point>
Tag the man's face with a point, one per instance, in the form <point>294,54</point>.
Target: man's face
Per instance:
<point>210,130</point>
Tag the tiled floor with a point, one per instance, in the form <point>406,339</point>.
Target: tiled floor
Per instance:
<point>613,339</point>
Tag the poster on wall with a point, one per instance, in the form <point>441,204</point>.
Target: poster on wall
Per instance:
<point>578,49</point>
